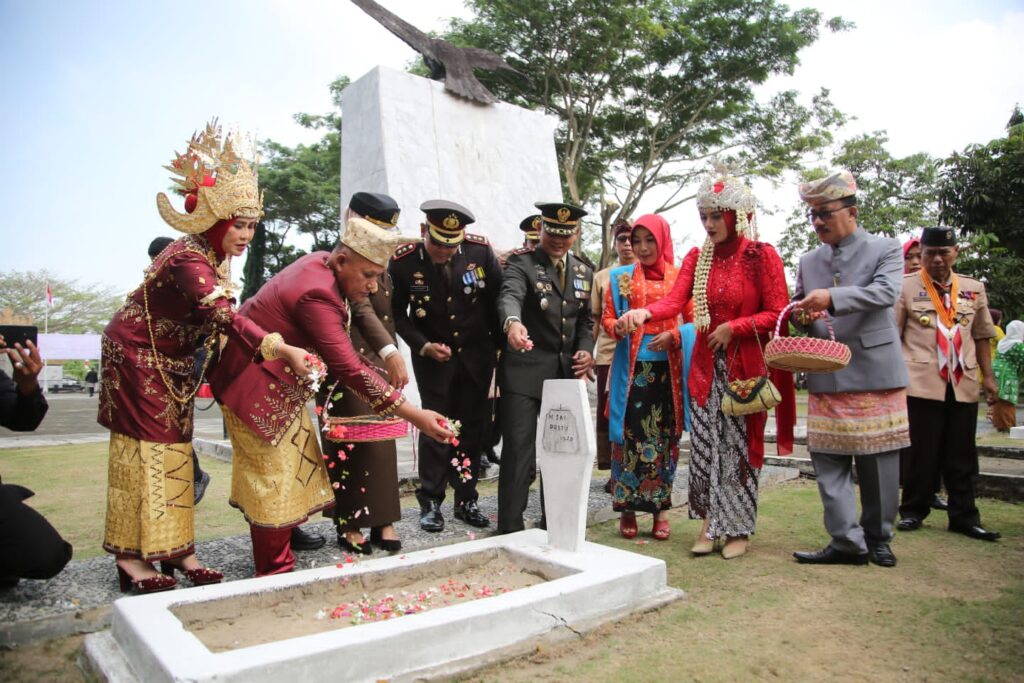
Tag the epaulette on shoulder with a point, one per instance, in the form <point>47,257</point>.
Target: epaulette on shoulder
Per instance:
<point>520,251</point>
<point>586,261</point>
<point>476,239</point>
<point>404,251</point>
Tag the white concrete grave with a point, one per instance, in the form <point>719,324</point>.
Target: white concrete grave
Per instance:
<point>149,642</point>
<point>566,447</point>
<point>1017,432</point>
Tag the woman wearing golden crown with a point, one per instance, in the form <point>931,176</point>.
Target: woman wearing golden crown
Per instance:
<point>146,398</point>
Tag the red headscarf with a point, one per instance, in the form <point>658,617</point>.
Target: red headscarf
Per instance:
<point>663,237</point>
<point>215,234</point>
<point>908,245</point>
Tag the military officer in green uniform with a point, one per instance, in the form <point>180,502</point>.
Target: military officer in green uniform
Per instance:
<point>445,295</point>
<point>545,312</point>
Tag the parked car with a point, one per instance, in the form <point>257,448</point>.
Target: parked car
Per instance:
<point>65,384</point>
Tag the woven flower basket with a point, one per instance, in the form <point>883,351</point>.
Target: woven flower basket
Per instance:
<point>365,429</point>
<point>805,354</point>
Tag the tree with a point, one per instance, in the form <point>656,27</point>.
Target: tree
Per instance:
<point>301,186</point>
<point>896,196</point>
<point>648,91</point>
<point>76,308</point>
<point>982,188</point>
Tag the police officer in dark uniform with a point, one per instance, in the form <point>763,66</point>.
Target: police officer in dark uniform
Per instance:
<point>445,296</point>
<point>545,312</point>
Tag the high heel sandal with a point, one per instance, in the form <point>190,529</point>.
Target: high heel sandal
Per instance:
<point>661,530</point>
<point>199,577</point>
<point>703,545</point>
<point>735,546</point>
<point>391,545</point>
<point>151,584</point>
<point>627,525</point>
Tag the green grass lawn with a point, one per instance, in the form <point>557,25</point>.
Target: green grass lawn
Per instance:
<point>953,609</point>
<point>71,492</point>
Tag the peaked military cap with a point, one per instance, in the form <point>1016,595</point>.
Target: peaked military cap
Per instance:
<point>379,209</point>
<point>559,218</point>
<point>446,221</point>
<point>531,227</point>
<point>938,237</point>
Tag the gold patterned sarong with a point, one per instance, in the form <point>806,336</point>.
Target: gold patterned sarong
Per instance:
<point>149,499</point>
<point>277,486</point>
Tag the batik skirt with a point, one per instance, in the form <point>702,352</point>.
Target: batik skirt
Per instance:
<point>644,465</point>
<point>723,484</point>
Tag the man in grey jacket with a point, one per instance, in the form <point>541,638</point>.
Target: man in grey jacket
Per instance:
<point>857,415</point>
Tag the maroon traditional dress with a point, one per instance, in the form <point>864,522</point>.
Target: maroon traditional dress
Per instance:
<point>747,289</point>
<point>278,474</point>
<point>146,396</point>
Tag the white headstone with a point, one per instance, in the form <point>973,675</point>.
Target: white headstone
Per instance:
<point>1017,432</point>
<point>566,446</point>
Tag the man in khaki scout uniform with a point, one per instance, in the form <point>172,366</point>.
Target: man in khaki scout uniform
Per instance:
<point>945,326</point>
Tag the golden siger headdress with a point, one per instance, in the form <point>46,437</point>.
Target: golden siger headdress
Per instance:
<point>217,182</point>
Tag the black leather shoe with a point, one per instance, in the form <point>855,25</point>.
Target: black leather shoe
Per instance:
<point>391,545</point>
<point>908,524</point>
<point>431,518</point>
<point>199,488</point>
<point>492,456</point>
<point>829,555</point>
<point>469,513</point>
<point>304,540</point>
<point>608,486</point>
<point>881,554</point>
<point>939,503</point>
<point>976,532</point>
<point>363,548</point>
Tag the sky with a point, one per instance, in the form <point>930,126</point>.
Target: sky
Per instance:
<point>98,95</point>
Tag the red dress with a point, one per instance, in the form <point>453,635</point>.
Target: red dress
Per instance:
<point>184,302</point>
<point>747,289</point>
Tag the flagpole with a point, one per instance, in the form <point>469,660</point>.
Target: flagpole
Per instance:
<point>46,330</point>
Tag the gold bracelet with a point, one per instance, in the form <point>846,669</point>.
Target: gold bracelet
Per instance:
<point>268,347</point>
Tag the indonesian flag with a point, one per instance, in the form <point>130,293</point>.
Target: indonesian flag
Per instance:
<point>49,295</point>
<point>949,347</point>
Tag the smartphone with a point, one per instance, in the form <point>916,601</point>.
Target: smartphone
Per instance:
<point>19,334</point>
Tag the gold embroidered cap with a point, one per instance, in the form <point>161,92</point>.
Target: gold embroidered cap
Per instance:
<point>221,183</point>
<point>559,218</point>
<point>446,221</point>
<point>837,185</point>
<point>373,243</point>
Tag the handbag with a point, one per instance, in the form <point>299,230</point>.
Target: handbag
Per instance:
<point>749,396</point>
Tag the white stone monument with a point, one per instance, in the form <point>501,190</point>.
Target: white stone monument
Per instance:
<point>566,446</point>
<point>403,135</point>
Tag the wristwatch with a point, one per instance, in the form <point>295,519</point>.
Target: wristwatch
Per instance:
<point>508,323</point>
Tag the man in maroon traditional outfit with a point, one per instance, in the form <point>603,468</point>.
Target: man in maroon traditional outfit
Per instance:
<point>278,472</point>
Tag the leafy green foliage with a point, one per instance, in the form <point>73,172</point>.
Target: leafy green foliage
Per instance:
<point>302,186</point>
<point>896,196</point>
<point>648,91</point>
<point>982,188</point>
<point>77,308</point>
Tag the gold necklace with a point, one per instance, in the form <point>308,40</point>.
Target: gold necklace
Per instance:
<point>208,344</point>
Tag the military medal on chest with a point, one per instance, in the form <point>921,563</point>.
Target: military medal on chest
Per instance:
<point>544,287</point>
